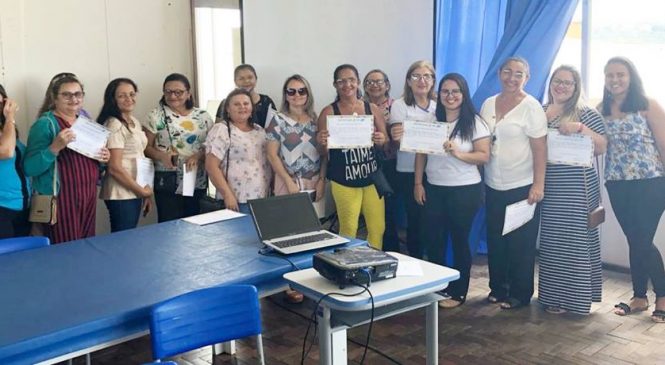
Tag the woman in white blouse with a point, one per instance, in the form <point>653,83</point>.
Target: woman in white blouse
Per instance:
<point>515,172</point>
<point>123,196</point>
<point>236,154</point>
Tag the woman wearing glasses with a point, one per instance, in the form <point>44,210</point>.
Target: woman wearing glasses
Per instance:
<point>377,92</point>
<point>48,159</point>
<point>292,148</point>
<point>417,104</point>
<point>515,172</point>
<point>634,176</point>
<point>245,78</point>
<point>14,185</point>
<point>123,196</point>
<point>176,131</point>
<point>451,193</point>
<point>350,169</point>
<point>570,273</point>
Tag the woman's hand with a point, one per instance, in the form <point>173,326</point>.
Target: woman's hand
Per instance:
<point>320,188</point>
<point>146,192</point>
<point>104,155</point>
<point>419,193</point>
<point>231,202</point>
<point>451,147</point>
<point>378,138</point>
<point>9,111</point>
<point>147,205</point>
<point>536,194</point>
<point>166,158</point>
<point>292,187</point>
<point>570,128</point>
<point>397,131</point>
<point>192,162</point>
<point>322,137</point>
<point>61,141</point>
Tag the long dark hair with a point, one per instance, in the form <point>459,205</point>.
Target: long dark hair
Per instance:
<point>635,100</point>
<point>189,104</point>
<point>467,115</point>
<point>54,88</point>
<point>227,117</point>
<point>353,68</point>
<point>110,107</point>
<point>3,93</point>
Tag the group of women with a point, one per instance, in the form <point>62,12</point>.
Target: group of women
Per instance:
<point>254,151</point>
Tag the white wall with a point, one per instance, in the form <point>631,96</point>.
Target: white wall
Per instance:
<point>313,37</point>
<point>98,40</point>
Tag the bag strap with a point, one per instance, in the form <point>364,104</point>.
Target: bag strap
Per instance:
<point>167,121</point>
<point>55,167</point>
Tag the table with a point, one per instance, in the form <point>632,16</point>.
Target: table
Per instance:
<point>66,300</point>
<point>391,297</point>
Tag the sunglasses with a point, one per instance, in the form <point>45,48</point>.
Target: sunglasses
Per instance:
<point>301,91</point>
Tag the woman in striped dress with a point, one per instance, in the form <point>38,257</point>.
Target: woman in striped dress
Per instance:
<point>76,176</point>
<point>570,276</point>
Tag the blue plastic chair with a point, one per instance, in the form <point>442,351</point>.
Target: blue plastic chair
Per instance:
<point>205,317</point>
<point>8,245</point>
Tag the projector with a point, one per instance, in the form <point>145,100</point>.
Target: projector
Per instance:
<point>357,265</point>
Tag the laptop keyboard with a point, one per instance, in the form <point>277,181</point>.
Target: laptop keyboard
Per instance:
<point>303,240</point>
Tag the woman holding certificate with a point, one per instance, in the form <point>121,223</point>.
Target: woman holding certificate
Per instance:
<point>122,194</point>
<point>58,170</point>
<point>416,104</point>
<point>570,273</point>
<point>236,154</point>
<point>176,131</point>
<point>451,194</point>
<point>350,168</point>
<point>514,174</point>
<point>634,178</point>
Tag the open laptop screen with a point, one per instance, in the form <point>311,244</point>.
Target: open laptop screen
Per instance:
<point>284,215</point>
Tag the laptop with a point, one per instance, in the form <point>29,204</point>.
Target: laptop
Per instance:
<point>289,224</point>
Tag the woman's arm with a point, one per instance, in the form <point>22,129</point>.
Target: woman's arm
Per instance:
<point>121,175</point>
<point>478,156</point>
<point>655,116</point>
<point>322,128</point>
<point>214,170</point>
<point>418,189</point>
<point>8,136</point>
<point>539,153</point>
<point>43,147</point>
<point>272,149</point>
<point>154,153</point>
<point>380,135</point>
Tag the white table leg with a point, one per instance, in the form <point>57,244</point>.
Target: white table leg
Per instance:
<point>432,328</point>
<point>338,347</point>
<point>325,336</point>
<point>224,348</point>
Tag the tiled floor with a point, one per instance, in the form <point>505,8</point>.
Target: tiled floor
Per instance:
<point>476,333</point>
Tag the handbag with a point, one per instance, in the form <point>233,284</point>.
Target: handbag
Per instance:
<point>379,179</point>
<point>596,216</point>
<point>44,208</point>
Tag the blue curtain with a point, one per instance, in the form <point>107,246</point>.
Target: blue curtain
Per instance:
<point>533,30</point>
<point>467,34</point>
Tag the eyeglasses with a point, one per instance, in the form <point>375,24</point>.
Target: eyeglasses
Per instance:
<point>127,96</point>
<point>375,82</point>
<point>565,83</point>
<point>418,77</point>
<point>70,96</point>
<point>176,93</point>
<point>453,92</point>
<point>519,75</point>
<point>301,91</point>
<point>347,81</point>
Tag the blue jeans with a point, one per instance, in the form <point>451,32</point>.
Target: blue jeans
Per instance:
<point>124,214</point>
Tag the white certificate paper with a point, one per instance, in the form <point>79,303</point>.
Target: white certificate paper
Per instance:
<point>188,181</point>
<point>517,215</point>
<point>90,137</point>
<point>145,172</point>
<point>573,149</point>
<point>347,131</point>
<point>424,137</point>
<point>212,217</point>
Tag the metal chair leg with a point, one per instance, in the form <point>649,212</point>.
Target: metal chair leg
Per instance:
<point>259,347</point>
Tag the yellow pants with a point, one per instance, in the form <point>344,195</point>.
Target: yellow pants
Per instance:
<point>350,202</point>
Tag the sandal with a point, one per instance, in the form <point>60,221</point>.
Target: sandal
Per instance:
<point>657,316</point>
<point>513,303</point>
<point>623,309</point>
<point>555,310</point>
<point>293,296</point>
<point>495,299</point>
<point>450,303</point>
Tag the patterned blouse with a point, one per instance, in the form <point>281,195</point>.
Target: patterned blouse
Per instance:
<point>187,134</point>
<point>631,149</point>
<point>297,145</point>
<point>249,172</point>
